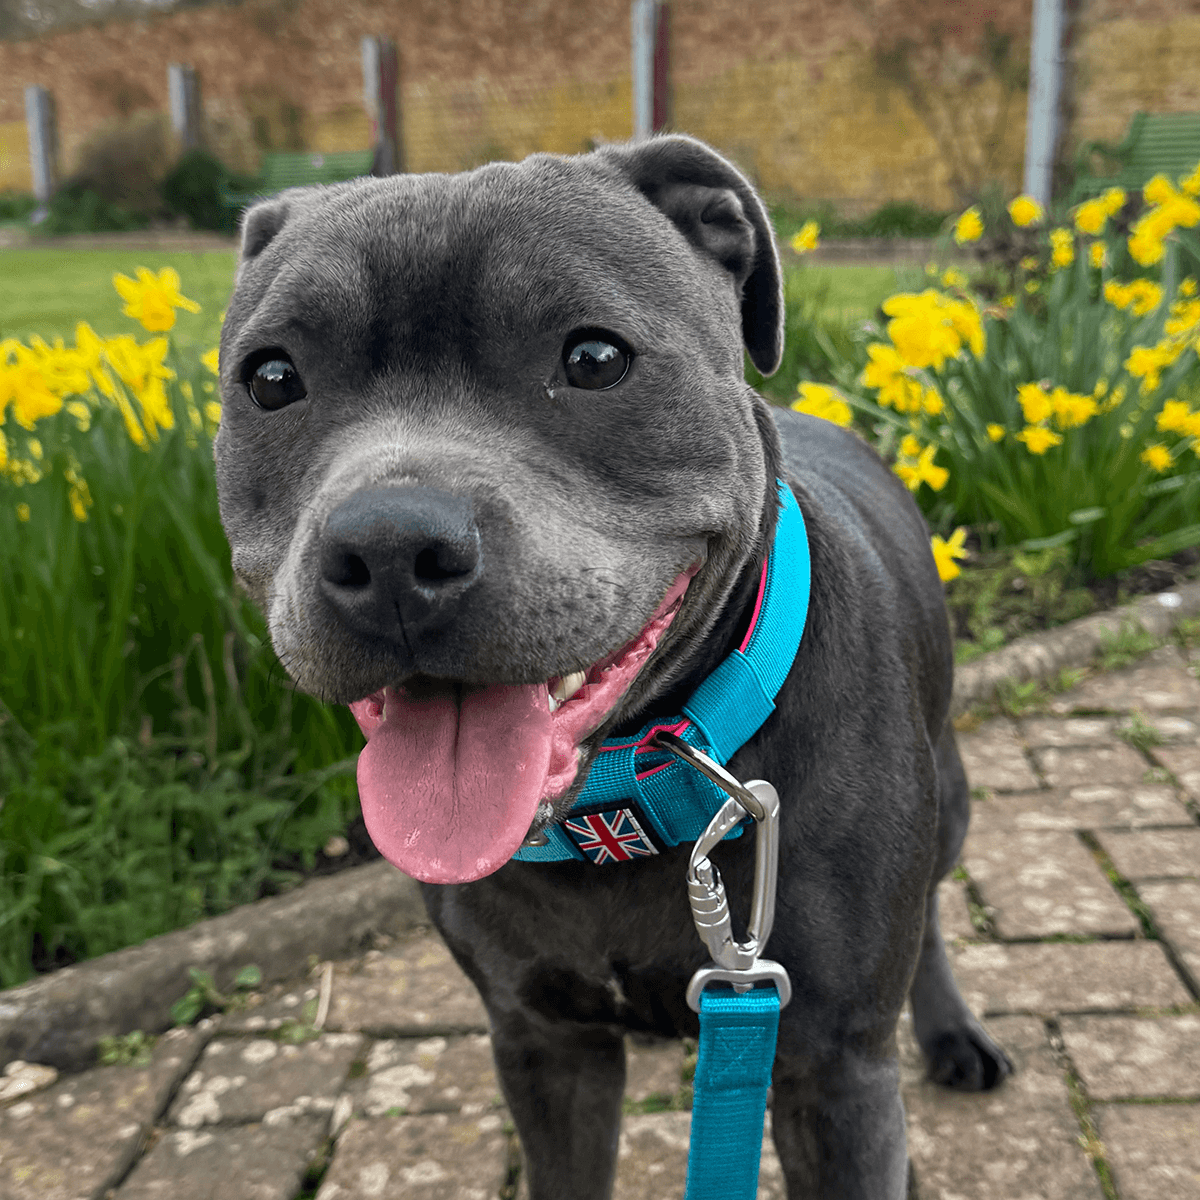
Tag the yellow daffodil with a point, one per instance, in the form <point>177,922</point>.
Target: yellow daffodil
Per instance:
<point>1038,439</point>
<point>1062,247</point>
<point>22,511</point>
<point>1113,201</point>
<point>152,299</point>
<point>947,552</point>
<point>1173,418</point>
<point>1187,285</point>
<point>952,277</point>
<point>820,400</point>
<point>916,469</point>
<point>1029,263</point>
<point>1091,217</point>
<point>1070,409</point>
<point>1157,457</point>
<point>995,432</point>
<point>210,359</point>
<point>1097,255</point>
<point>807,239</point>
<point>968,227</point>
<point>1035,402</point>
<point>1025,210</point>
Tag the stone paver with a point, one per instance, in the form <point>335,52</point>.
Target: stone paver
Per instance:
<point>1159,687</point>
<point>954,913</point>
<point>1089,806</point>
<point>436,1157</point>
<point>1073,766</point>
<point>1038,883</point>
<point>406,1076</point>
<point>1184,763</point>
<point>653,1072</point>
<point>1118,1057</point>
<point>994,758</point>
<point>1176,910</point>
<point>417,989</point>
<point>78,1136</point>
<point>1064,977</point>
<point>243,1080</point>
<point>1068,731</point>
<point>1021,1140</point>
<point>242,1162</point>
<point>1153,1150</point>
<point>1155,853</point>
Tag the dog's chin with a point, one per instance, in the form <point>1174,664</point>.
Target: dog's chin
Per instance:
<point>455,776</point>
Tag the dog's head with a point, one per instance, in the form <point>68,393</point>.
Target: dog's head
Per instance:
<point>488,464</point>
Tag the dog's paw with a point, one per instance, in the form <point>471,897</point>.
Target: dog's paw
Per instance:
<point>968,1060</point>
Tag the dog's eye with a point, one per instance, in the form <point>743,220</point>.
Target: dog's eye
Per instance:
<point>595,360</point>
<point>275,383</point>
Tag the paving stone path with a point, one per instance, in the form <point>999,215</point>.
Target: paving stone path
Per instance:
<point>1075,927</point>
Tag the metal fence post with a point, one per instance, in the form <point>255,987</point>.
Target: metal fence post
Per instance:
<point>381,94</point>
<point>184,87</point>
<point>43,146</point>
<point>651,66</point>
<point>1045,83</point>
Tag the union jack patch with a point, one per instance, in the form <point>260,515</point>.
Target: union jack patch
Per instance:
<point>612,836</point>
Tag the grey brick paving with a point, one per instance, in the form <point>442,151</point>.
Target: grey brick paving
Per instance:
<point>1038,883</point>
<point>1136,1056</point>
<point>1153,1149</point>
<point>1090,806</point>
<point>1074,766</point>
<point>1018,1141</point>
<point>1176,911</point>
<point>1066,977</point>
<point>994,758</point>
<point>398,1095</point>
<point>1155,853</point>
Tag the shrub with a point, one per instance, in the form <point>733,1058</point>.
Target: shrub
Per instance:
<point>76,208</point>
<point>193,188</point>
<point>1062,415</point>
<point>16,206</point>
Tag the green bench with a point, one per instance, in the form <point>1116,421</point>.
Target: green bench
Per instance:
<point>298,169</point>
<point>1157,143</point>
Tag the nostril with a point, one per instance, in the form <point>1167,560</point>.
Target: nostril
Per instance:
<point>435,563</point>
<point>348,570</point>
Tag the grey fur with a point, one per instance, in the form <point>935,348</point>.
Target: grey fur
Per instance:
<point>426,316</point>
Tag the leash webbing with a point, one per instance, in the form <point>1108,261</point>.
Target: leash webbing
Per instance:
<point>737,1048</point>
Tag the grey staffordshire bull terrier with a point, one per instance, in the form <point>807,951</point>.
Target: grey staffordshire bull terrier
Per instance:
<point>488,463</point>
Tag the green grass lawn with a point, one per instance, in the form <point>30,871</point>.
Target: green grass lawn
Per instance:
<point>48,292</point>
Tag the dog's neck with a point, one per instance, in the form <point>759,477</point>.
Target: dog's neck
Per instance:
<point>727,634</point>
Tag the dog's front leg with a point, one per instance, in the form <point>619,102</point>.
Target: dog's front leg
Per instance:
<point>563,1082</point>
<point>839,1129</point>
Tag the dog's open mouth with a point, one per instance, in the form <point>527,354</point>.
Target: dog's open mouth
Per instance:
<point>451,777</point>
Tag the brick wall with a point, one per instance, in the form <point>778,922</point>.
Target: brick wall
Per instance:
<point>855,101</point>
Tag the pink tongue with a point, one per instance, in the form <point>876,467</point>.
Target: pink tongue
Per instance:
<point>449,789</point>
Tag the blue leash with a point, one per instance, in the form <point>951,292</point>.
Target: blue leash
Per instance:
<point>737,1048</point>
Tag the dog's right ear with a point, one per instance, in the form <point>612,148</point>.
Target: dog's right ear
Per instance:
<point>717,209</point>
<point>260,223</point>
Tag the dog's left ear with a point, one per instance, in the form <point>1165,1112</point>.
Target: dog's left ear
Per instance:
<point>720,213</point>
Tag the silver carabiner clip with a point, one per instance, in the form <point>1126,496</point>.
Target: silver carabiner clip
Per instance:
<point>733,962</point>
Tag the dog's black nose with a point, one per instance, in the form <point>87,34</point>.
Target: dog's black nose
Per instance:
<point>397,560</point>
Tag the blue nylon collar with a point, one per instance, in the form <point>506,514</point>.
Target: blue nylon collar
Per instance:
<point>638,799</point>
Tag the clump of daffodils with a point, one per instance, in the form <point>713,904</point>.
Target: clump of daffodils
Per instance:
<point>1068,411</point>
<point>40,380</point>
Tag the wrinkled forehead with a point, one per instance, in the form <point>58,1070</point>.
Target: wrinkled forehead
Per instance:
<point>533,246</point>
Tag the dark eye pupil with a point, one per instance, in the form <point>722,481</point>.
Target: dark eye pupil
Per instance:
<point>595,364</point>
<point>276,383</point>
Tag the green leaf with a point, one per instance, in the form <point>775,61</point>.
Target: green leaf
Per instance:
<point>1048,543</point>
<point>248,977</point>
<point>1085,516</point>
